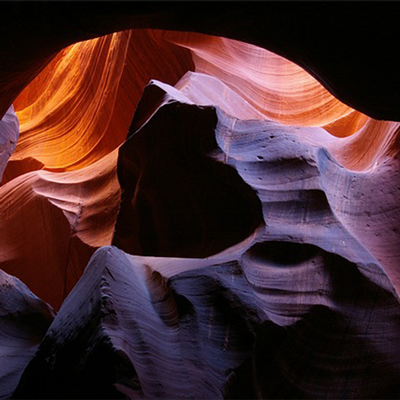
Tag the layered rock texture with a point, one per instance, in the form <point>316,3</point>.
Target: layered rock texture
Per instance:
<point>24,321</point>
<point>206,218</point>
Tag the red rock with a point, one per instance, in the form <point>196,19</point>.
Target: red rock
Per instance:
<point>79,108</point>
<point>352,57</point>
<point>51,223</point>
<point>260,212</point>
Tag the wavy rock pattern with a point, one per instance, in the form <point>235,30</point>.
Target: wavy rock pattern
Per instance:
<point>299,310</point>
<point>70,214</point>
<point>80,106</point>
<point>24,319</point>
<point>278,321</point>
<point>292,170</point>
<point>279,89</point>
<point>73,117</point>
<point>254,221</point>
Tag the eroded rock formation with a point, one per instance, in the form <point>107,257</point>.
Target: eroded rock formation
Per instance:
<point>276,322</point>
<point>24,319</point>
<point>80,107</point>
<point>54,222</point>
<point>211,220</point>
<point>9,133</point>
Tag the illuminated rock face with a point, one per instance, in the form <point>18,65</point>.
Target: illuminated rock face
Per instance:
<point>80,107</point>
<point>253,219</point>
<point>55,221</point>
<point>276,321</point>
<point>292,306</point>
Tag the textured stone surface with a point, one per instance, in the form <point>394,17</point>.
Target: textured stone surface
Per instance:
<point>9,133</point>
<point>276,87</point>
<point>352,57</point>
<point>79,108</point>
<point>253,216</point>
<point>280,320</point>
<point>307,193</point>
<point>24,320</point>
<point>300,309</point>
<point>51,223</point>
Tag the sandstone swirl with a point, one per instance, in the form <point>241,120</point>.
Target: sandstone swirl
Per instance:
<point>52,223</point>
<point>79,107</point>
<point>208,220</point>
<point>294,305</point>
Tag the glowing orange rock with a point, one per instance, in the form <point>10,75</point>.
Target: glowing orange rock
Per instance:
<point>77,112</point>
<point>51,223</point>
<point>79,108</point>
<point>276,87</point>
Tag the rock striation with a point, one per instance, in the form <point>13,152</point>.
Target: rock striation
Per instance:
<point>306,192</point>
<point>54,222</point>
<point>209,220</point>
<point>278,320</point>
<point>277,88</point>
<point>80,106</point>
<point>295,306</point>
<point>24,320</point>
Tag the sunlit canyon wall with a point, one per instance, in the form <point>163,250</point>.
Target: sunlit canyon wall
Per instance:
<point>185,215</point>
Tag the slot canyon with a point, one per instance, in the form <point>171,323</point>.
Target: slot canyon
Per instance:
<point>199,200</point>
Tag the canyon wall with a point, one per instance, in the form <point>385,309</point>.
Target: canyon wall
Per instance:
<point>196,215</point>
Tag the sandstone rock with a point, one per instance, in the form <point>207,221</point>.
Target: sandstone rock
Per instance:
<point>9,132</point>
<point>254,216</point>
<point>51,223</point>
<point>280,320</point>
<point>352,57</point>
<point>24,320</point>
<point>79,108</point>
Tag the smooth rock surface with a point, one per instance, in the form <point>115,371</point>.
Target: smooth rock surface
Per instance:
<point>51,223</point>
<point>24,320</point>
<point>353,58</point>
<point>79,108</point>
<point>276,87</point>
<point>280,320</point>
<point>9,133</point>
<point>307,194</point>
<point>259,212</point>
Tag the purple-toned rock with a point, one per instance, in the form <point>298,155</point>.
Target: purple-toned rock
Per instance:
<point>24,319</point>
<point>279,320</point>
<point>249,284</point>
<point>9,132</point>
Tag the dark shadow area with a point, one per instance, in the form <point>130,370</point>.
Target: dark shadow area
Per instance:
<point>177,201</point>
<point>283,254</point>
<point>84,367</point>
<point>321,356</point>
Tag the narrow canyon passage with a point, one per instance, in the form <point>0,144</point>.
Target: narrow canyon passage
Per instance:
<point>189,215</point>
